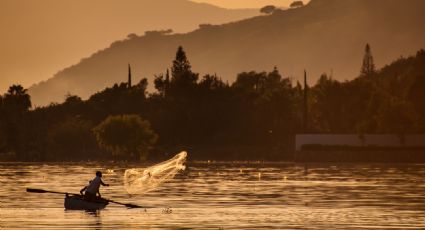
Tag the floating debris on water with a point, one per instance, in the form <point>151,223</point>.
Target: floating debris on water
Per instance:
<point>167,210</point>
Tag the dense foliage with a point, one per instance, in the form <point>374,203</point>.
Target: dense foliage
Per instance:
<point>125,135</point>
<point>255,117</point>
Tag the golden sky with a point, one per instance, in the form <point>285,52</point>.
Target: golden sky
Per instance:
<point>38,38</point>
<point>41,37</point>
<point>247,3</point>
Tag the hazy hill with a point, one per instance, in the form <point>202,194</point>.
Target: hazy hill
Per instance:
<point>40,37</point>
<point>324,36</point>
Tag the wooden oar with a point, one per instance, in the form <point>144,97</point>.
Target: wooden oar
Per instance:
<point>128,205</point>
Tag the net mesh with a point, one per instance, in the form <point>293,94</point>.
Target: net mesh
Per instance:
<point>143,180</point>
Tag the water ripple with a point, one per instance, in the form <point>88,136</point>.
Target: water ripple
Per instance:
<point>223,195</point>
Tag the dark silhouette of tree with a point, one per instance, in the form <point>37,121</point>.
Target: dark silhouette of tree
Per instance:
<point>141,87</point>
<point>132,36</point>
<point>248,82</point>
<point>305,106</point>
<point>71,140</point>
<point>129,136</point>
<point>207,26</point>
<point>3,136</point>
<point>181,70</point>
<point>158,32</point>
<point>417,94</point>
<point>268,103</point>
<point>17,99</point>
<point>211,82</point>
<point>397,116</point>
<point>330,105</point>
<point>368,66</point>
<point>129,77</point>
<point>15,104</point>
<point>72,100</point>
<point>296,4</point>
<point>162,84</point>
<point>268,9</point>
<point>118,99</point>
<point>254,118</point>
<point>183,82</point>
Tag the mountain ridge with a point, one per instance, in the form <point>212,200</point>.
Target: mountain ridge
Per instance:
<point>324,36</point>
<point>41,37</point>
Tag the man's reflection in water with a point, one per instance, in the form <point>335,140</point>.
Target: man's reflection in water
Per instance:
<point>96,222</point>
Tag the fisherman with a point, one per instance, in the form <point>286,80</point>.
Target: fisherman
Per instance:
<point>92,190</point>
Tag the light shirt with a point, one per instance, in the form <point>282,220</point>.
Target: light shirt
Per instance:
<point>94,185</point>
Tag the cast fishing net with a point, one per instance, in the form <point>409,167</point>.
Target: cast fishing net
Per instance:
<point>143,180</point>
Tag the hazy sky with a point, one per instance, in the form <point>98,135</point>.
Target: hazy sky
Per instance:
<point>247,3</point>
<point>41,37</point>
<point>38,38</point>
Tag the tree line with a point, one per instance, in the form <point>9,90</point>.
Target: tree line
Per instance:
<point>253,118</point>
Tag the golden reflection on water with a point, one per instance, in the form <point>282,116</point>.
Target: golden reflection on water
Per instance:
<point>223,195</point>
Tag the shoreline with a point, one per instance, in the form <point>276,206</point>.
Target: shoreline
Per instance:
<point>304,157</point>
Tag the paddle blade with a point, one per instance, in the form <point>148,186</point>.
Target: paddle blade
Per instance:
<point>36,190</point>
<point>132,206</point>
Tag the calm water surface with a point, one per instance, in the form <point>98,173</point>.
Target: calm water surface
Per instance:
<point>223,196</point>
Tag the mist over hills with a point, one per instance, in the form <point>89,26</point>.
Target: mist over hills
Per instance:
<point>38,38</point>
<point>324,36</point>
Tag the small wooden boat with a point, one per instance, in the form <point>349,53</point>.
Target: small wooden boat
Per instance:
<point>77,202</point>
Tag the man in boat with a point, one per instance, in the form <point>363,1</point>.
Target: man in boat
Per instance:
<point>92,190</point>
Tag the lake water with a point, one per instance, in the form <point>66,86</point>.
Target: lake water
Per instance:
<point>223,196</point>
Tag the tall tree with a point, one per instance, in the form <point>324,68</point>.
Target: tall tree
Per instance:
<point>305,104</point>
<point>368,66</point>
<point>183,82</point>
<point>129,76</point>
<point>182,70</point>
<point>16,103</point>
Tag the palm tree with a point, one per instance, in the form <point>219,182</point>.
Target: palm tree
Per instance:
<point>16,90</point>
<point>17,99</point>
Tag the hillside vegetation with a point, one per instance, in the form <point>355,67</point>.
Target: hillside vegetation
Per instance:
<point>254,118</point>
<point>325,36</point>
